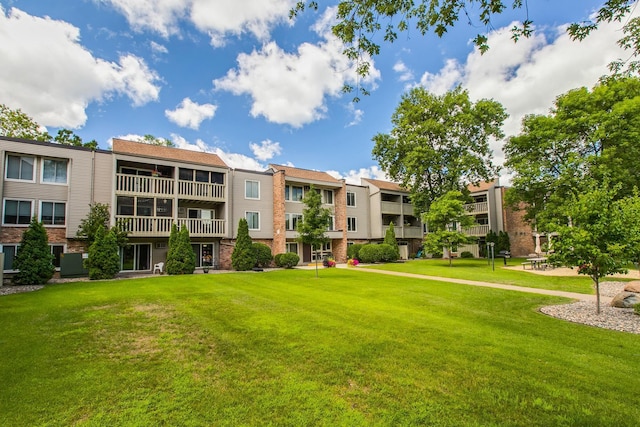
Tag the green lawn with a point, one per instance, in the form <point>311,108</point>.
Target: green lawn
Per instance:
<point>285,348</point>
<point>480,270</point>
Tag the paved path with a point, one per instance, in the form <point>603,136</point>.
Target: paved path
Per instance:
<point>573,295</point>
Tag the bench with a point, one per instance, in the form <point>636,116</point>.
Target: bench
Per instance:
<point>524,265</point>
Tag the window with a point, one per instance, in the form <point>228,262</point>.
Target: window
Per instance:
<point>253,220</point>
<point>185,174</point>
<point>54,171</point>
<point>53,213</point>
<point>10,252</point>
<point>351,224</point>
<point>332,223</point>
<point>293,193</point>
<point>201,214</point>
<point>252,190</point>
<point>136,257</point>
<point>56,251</point>
<point>125,205</point>
<point>20,167</point>
<point>217,178</point>
<point>17,212</point>
<point>144,206</point>
<point>291,221</point>
<point>292,247</point>
<point>327,197</point>
<point>202,176</point>
<point>164,207</point>
<point>351,199</point>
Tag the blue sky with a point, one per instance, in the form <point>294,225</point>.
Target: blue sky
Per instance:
<point>238,78</point>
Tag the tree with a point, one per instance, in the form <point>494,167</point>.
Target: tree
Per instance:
<point>588,135</point>
<point>446,221</point>
<point>358,21</point>
<point>153,140</point>
<point>439,143</point>
<point>390,239</point>
<point>594,240</point>
<point>242,257</point>
<point>104,259</point>
<point>181,259</point>
<point>16,124</point>
<point>315,221</point>
<point>34,259</point>
<point>97,217</point>
<point>67,137</point>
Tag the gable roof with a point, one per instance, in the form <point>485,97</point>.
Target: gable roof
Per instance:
<point>385,185</point>
<point>305,174</point>
<point>121,146</point>
<point>482,186</point>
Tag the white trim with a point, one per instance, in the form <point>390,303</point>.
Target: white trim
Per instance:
<point>53,213</point>
<point>33,171</point>
<point>355,223</point>
<point>42,161</point>
<point>245,217</point>
<point>16,246</point>
<point>354,199</point>
<point>14,199</point>
<point>245,189</point>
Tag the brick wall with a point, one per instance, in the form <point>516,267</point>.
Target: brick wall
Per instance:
<point>279,232</point>
<point>339,246</point>
<point>520,233</point>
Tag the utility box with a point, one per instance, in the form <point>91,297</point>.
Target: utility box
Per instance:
<point>72,265</point>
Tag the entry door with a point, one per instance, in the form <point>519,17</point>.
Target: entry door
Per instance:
<point>306,253</point>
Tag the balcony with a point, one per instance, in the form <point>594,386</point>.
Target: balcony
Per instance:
<point>145,226</point>
<point>391,208</point>
<point>476,208</point>
<point>406,232</point>
<point>134,185</point>
<point>477,230</point>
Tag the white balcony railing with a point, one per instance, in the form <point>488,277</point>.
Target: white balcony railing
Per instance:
<point>477,230</point>
<point>143,185</point>
<point>144,226</point>
<point>132,185</point>
<point>481,207</point>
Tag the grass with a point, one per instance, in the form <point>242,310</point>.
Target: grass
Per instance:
<point>479,270</point>
<point>285,348</point>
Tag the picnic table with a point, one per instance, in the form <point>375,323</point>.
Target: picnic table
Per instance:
<point>536,263</point>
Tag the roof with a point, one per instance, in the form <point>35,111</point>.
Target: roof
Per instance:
<point>305,174</point>
<point>482,186</point>
<point>385,185</point>
<point>120,146</point>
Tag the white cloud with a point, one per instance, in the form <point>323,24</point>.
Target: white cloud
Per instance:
<point>54,82</point>
<point>405,74</point>
<point>291,88</point>
<point>527,76</point>
<point>190,114</point>
<point>233,160</point>
<point>158,48</point>
<point>233,17</point>
<point>266,150</point>
<point>356,113</point>
<point>219,19</point>
<point>160,16</point>
<point>353,176</point>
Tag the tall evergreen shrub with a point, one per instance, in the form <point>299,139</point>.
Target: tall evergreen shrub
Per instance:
<point>242,257</point>
<point>34,259</point>
<point>104,259</point>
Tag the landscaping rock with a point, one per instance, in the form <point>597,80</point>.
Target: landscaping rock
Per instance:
<point>625,300</point>
<point>633,286</point>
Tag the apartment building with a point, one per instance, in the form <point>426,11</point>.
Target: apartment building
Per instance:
<point>149,188</point>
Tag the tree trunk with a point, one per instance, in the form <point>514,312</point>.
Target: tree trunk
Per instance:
<point>597,295</point>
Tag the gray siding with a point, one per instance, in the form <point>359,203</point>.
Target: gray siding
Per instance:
<point>263,205</point>
<point>360,212</point>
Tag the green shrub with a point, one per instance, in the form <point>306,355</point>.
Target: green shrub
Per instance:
<point>466,254</point>
<point>370,253</point>
<point>104,260</point>
<point>388,253</point>
<point>353,251</point>
<point>34,259</point>
<point>636,309</point>
<point>287,260</point>
<point>262,254</point>
<point>181,259</point>
<point>242,257</point>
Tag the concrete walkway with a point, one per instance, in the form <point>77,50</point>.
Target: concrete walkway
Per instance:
<point>572,295</point>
